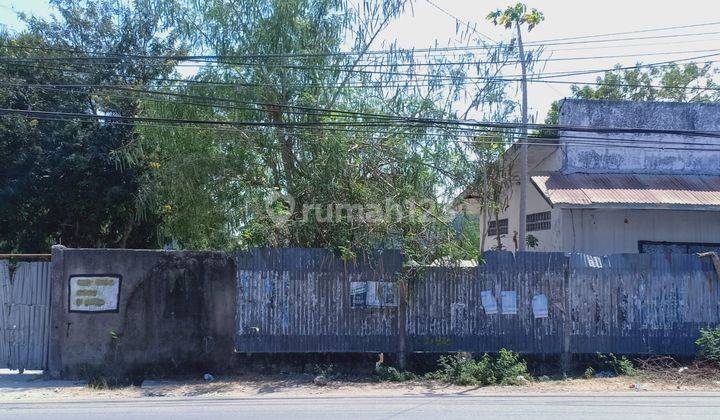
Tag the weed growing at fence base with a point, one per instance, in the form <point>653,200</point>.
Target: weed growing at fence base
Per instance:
<point>390,374</point>
<point>505,368</point>
<point>709,343</point>
<point>604,365</point>
<point>104,377</point>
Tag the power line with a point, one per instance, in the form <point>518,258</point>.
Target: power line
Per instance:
<point>342,67</point>
<point>405,121</point>
<point>667,28</point>
<point>535,76</point>
<point>582,140</point>
<point>100,55</point>
<point>466,24</point>
<point>656,64</point>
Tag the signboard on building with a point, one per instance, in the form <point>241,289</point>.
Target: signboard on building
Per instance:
<point>94,292</point>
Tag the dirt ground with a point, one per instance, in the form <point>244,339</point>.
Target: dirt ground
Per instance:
<point>29,387</point>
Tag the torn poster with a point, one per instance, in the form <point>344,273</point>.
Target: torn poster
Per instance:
<point>540,306</point>
<point>489,303</point>
<point>373,293</point>
<point>358,294</point>
<point>508,300</point>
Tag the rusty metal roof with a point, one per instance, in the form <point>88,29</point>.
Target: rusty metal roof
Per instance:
<point>686,192</point>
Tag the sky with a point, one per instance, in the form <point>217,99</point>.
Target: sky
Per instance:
<point>425,23</point>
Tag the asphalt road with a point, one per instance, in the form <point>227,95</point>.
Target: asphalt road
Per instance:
<point>536,407</point>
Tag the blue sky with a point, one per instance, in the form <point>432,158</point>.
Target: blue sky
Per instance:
<point>564,18</point>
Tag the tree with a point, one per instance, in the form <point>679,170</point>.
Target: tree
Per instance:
<point>326,131</point>
<point>692,82</point>
<point>62,182</point>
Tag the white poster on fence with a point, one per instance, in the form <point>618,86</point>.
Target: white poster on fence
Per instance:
<point>540,306</point>
<point>508,300</point>
<point>489,303</point>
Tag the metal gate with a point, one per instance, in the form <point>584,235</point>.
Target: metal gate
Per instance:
<point>24,315</point>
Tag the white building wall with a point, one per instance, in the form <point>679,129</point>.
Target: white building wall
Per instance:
<point>609,231</point>
<point>549,240</point>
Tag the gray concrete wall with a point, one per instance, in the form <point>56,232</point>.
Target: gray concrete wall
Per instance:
<point>595,152</point>
<point>175,311</point>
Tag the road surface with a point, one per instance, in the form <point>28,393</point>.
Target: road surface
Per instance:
<point>512,406</point>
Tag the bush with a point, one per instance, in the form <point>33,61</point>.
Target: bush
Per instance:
<point>463,369</point>
<point>589,373</point>
<point>390,374</point>
<point>709,343</point>
<point>508,367</point>
<point>622,366</point>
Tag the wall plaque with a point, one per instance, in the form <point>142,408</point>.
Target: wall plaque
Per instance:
<point>94,292</point>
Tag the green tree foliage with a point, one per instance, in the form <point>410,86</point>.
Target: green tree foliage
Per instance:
<point>676,82</point>
<point>61,180</point>
<point>227,187</point>
<point>516,14</point>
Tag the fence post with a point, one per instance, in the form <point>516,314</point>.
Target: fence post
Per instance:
<point>566,356</point>
<point>402,327</point>
<point>57,311</point>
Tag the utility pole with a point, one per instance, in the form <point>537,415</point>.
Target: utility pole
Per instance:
<point>523,144</point>
<point>519,15</point>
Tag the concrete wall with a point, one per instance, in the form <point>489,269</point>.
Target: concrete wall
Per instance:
<point>594,152</point>
<point>604,232</point>
<point>175,311</point>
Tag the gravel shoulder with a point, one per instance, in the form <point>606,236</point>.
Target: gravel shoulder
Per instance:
<point>34,387</point>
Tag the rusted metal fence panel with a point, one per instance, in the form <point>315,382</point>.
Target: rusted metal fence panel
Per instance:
<point>299,300</point>
<point>25,315</point>
<point>463,309</point>
<point>641,303</point>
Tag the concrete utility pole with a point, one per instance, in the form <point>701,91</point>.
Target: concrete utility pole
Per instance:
<point>518,15</point>
<point>523,144</point>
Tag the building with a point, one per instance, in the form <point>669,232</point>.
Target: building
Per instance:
<point>601,192</point>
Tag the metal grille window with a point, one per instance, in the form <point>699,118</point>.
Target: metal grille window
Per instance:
<point>492,229</point>
<point>537,221</point>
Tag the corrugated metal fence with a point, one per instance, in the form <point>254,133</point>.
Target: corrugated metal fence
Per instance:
<point>24,315</point>
<point>301,300</point>
<point>298,300</point>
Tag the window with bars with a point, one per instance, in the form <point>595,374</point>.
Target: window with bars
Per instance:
<point>537,221</point>
<point>499,227</point>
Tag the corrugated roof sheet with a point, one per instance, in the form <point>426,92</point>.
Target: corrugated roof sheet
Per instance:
<point>630,190</point>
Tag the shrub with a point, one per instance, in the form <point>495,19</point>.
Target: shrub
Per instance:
<point>621,366</point>
<point>709,343</point>
<point>463,369</point>
<point>390,374</point>
<point>508,367</point>
<point>589,373</point>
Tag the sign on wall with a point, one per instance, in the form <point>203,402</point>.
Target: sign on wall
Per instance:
<point>94,292</point>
